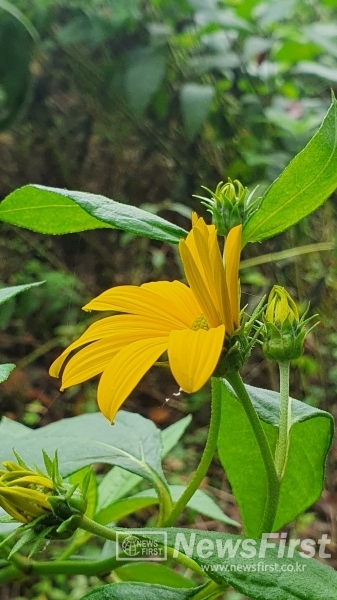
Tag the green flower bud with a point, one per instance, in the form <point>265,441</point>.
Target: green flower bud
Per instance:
<point>230,205</point>
<point>47,506</point>
<point>283,332</point>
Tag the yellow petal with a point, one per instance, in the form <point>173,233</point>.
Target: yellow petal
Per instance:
<point>142,301</point>
<point>93,359</point>
<point>232,262</point>
<point>181,295</point>
<point>198,286</point>
<point>125,371</point>
<point>107,327</point>
<point>220,285</point>
<point>193,355</point>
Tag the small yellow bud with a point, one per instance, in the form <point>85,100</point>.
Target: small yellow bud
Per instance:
<point>281,308</point>
<point>24,493</point>
<point>284,332</point>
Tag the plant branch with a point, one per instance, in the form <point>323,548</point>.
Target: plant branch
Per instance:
<point>282,446</point>
<point>206,458</point>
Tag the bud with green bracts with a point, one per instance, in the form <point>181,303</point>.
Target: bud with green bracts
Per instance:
<point>230,205</point>
<point>45,505</point>
<point>283,330</point>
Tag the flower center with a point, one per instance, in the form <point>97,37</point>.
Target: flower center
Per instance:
<point>200,323</point>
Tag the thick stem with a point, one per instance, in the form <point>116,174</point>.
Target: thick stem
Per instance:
<point>282,446</point>
<point>110,534</point>
<point>273,483</point>
<point>206,458</point>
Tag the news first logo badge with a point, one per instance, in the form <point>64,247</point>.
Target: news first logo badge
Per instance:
<point>133,547</point>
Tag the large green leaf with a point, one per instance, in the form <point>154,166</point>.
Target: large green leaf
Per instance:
<point>139,591</point>
<point>303,186</point>
<point>310,438</point>
<point>118,482</point>
<point>266,577</point>
<point>53,210</point>
<point>133,443</point>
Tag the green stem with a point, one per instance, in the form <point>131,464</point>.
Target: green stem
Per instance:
<point>282,446</point>
<point>8,574</point>
<point>273,483</point>
<point>206,458</point>
<point>110,534</point>
<point>165,500</point>
<point>212,590</point>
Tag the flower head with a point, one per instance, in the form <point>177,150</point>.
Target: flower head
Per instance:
<point>230,204</point>
<point>283,333</point>
<point>24,493</point>
<point>187,322</point>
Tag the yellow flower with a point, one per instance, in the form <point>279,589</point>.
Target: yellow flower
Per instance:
<point>24,493</point>
<point>189,323</point>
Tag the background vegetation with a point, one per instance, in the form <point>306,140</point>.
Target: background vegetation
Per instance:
<point>144,102</point>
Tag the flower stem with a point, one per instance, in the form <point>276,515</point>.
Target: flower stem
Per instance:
<point>111,534</point>
<point>273,483</point>
<point>282,446</point>
<point>206,458</point>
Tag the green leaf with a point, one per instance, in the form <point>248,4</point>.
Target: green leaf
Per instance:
<point>9,292</point>
<point>172,434</point>
<point>260,578</point>
<point>152,573</point>
<point>143,77</point>
<point>5,371</point>
<point>16,47</point>
<point>315,68</point>
<point>80,535</point>
<point>195,100</point>
<point>303,186</point>
<point>139,591</point>
<point>310,438</point>
<point>53,210</point>
<point>118,483</point>
<point>200,502</point>
<point>133,443</point>
<point>17,14</point>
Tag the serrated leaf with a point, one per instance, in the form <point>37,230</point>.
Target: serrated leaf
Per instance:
<point>310,439</point>
<point>196,101</point>
<point>57,211</point>
<point>288,578</point>
<point>302,187</point>
<point>9,292</point>
<point>139,591</point>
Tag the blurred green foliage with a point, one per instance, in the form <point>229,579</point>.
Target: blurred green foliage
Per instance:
<point>249,79</point>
